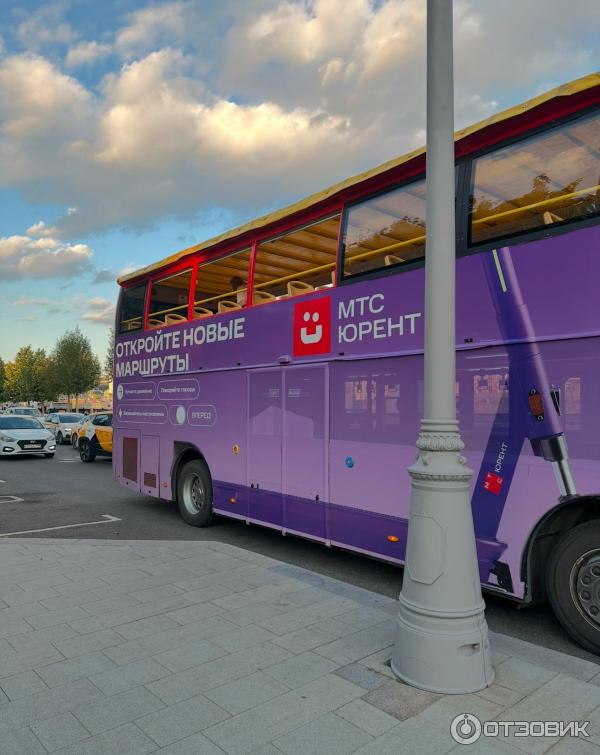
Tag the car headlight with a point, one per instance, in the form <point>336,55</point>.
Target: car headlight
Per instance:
<point>67,429</point>
<point>8,439</point>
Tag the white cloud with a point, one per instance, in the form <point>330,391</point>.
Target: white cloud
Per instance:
<point>28,301</point>
<point>24,257</point>
<point>86,53</point>
<point>100,311</point>
<point>45,27</point>
<point>296,96</point>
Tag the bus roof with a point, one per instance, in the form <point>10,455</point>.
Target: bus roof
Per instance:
<point>465,144</point>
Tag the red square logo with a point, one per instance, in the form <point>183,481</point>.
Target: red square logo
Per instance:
<point>312,327</point>
<point>493,483</point>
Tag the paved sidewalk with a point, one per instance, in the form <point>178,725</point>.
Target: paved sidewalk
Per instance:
<point>188,648</point>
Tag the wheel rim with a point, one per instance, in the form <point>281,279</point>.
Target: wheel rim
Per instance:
<point>59,438</point>
<point>193,494</point>
<point>585,586</point>
<point>84,451</point>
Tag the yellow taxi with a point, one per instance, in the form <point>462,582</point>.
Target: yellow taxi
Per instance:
<point>95,437</point>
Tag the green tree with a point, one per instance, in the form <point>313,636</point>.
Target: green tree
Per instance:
<point>110,352</point>
<point>75,367</point>
<point>29,376</point>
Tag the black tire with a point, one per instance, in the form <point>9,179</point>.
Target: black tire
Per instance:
<point>195,493</point>
<point>87,453</point>
<point>59,438</point>
<point>573,584</point>
<point>49,456</point>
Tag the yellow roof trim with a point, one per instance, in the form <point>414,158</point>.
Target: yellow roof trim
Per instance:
<point>565,90</point>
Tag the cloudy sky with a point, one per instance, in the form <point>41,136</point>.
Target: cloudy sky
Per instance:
<point>130,129</point>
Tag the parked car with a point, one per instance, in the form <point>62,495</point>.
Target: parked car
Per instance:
<point>62,425</point>
<point>75,430</point>
<point>95,437</point>
<point>23,411</point>
<point>25,435</point>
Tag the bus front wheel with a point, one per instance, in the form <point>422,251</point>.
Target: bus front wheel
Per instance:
<point>573,584</point>
<point>194,493</point>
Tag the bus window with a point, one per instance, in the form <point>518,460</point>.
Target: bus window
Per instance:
<point>221,284</point>
<point>169,299</point>
<point>132,308</point>
<point>541,181</point>
<point>297,263</point>
<point>385,231</point>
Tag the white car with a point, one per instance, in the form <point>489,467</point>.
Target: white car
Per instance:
<point>61,425</point>
<point>25,435</point>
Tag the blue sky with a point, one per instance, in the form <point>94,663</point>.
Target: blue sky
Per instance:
<point>131,129</point>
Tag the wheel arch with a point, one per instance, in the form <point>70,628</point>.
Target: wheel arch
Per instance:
<point>568,513</point>
<point>182,453</point>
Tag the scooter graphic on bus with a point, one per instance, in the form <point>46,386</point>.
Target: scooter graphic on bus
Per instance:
<point>533,413</point>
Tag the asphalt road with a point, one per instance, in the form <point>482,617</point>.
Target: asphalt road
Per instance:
<point>63,492</point>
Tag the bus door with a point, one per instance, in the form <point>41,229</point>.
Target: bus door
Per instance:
<point>264,446</point>
<point>305,447</point>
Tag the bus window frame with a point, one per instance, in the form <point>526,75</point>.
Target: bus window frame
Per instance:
<point>192,266</point>
<point>340,211</point>
<point>535,234</point>
<point>142,328</point>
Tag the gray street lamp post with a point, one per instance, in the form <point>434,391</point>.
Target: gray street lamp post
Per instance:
<point>442,639</point>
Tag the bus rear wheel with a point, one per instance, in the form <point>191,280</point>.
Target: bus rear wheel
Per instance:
<point>194,493</point>
<point>573,584</point>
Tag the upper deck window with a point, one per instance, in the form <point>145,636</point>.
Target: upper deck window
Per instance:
<point>222,284</point>
<point>297,263</point>
<point>547,179</point>
<point>132,308</point>
<point>385,230</point>
<point>169,299</point>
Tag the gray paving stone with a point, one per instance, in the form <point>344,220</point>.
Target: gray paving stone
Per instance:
<point>329,734</point>
<point>355,646</point>
<point>409,738</point>
<point>190,655</point>
<point>50,618</point>
<point>447,707</point>
<point>41,638</point>
<point>121,616</point>
<point>153,644</point>
<point>14,663</point>
<point>253,614</point>
<point>400,700</point>
<point>59,731</point>
<point>56,674</point>
<point>142,627</point>
<point>124,740</point>
<point>304,639</point>
<point>195,612</point>
<point>301,669</point>
<point>258,727</point>
<point>544,657</point>
<point>361,675</point>
<point>117,709</point>
<point>87,643</point>
<point>521,676</point>
<point>181,720</point>
<point>243,694</point>
<point>48,704</point>
<point>574,746</point>
<point>197,744</point>
<point>20,742</point>
<point>372,720</point>
<point>501,695</point>
<point>132,675</point>
<point>194,681</point>
<point>23,684</point>
<point>242,639</point>
<point>13,626</point>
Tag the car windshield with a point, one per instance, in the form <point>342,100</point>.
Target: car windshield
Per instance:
<point>19,423</point>
<point>68,419</point>
<point>26,410</point>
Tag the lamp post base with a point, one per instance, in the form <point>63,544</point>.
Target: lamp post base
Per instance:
<point>442,640</point>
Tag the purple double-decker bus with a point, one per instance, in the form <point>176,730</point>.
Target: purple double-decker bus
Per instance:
<point>274,374</point>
